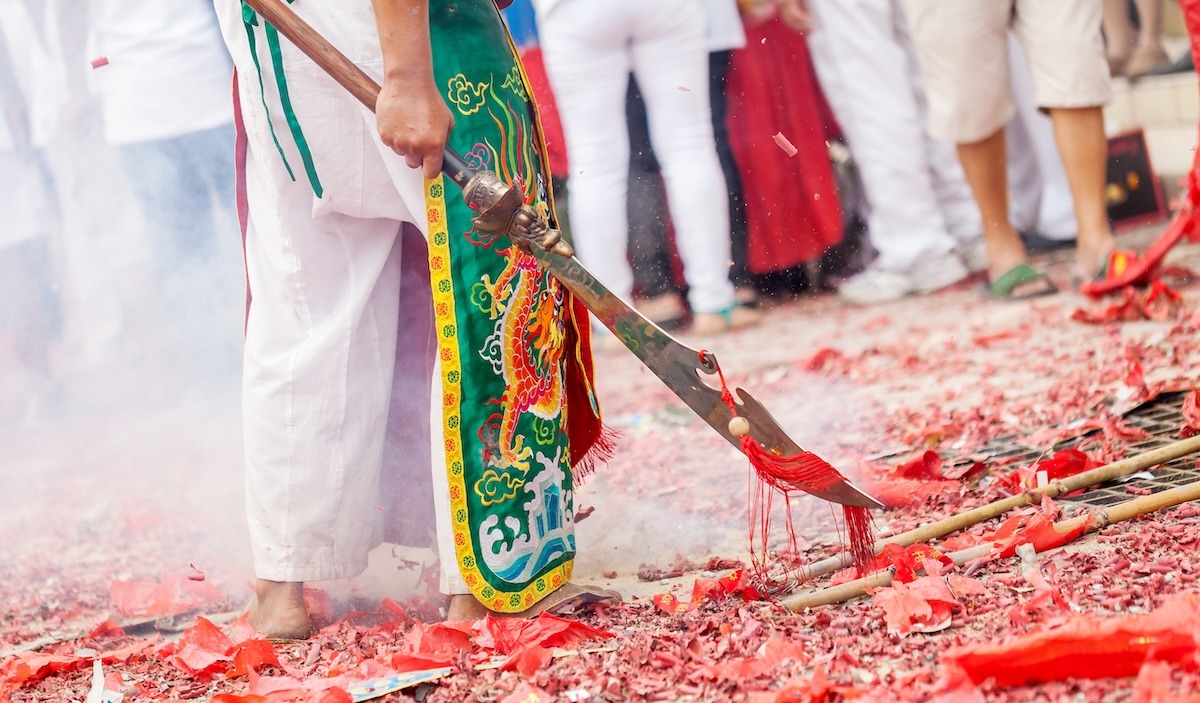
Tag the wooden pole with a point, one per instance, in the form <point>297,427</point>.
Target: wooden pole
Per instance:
<point>1054,489</point>
<point>1092,520</point>
<point>317,48</point>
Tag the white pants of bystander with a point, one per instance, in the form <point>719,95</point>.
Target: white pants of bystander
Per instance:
<point>920,204</point>
<point>590,48</point>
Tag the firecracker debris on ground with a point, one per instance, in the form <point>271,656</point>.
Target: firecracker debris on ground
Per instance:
<point>125,565</point>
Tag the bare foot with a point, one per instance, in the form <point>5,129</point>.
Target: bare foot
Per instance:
<point>465,607</point>
<point>278,610</point>
<point>1092,252</point>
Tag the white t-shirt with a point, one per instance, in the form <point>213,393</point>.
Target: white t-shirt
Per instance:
<point>168,73</point>
<point>725,29</point>
<point>40,74</point>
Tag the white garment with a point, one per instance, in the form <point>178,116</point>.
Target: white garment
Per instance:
<point>1041,199</point>
<point>25,198</point>
<point>37,64</point>
<point>920,204</point>
<point>590,48</point>
<point>340,293</point>
<point>725,29</point>
<point>168,73</point>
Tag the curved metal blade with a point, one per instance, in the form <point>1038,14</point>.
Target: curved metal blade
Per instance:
<point>680,367</point>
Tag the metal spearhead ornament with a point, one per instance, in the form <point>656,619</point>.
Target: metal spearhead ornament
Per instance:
<point>499,209</point>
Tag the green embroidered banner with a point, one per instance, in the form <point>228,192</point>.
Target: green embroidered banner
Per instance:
<point>505,329</point>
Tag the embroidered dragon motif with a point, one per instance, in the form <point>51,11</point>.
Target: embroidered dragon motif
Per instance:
<point>532,338</point>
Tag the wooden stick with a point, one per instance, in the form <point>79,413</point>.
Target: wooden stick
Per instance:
<point>1091,521</point>
<point>1054,489</point>
<point>317,48</point>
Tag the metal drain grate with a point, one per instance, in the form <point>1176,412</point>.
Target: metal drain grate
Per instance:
<point>1161,418</point>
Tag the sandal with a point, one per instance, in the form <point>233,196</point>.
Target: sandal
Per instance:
<point>564,600</point>
<point>571,597</point>
<point>1005,286</point>
<point>734,317</point>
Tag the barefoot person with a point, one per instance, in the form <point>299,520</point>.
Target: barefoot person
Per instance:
<point>384,335</point>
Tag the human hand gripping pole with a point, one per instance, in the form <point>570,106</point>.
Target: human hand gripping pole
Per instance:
<point>500,209</point>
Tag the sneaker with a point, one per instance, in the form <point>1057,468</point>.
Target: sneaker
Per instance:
<point>877,285</point>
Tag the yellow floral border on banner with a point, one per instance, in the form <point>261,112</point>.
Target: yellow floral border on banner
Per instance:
<point>446,325</point>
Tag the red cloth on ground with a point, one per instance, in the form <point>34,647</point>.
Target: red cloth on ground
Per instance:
<point>792,207</point>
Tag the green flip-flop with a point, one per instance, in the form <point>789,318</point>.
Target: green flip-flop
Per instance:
<point>1003,287</point>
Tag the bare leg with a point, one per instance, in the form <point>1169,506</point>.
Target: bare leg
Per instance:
<point>1118,32</point>
<point>278,610</point>
<point>1148,53</point>
<point>465,607</point>
<point>1084,150</point>
<point>984,165</point>
<point>1150,21</point>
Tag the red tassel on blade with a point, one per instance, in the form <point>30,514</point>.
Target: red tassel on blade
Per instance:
<point>860,536</point>
<point>804,472</point>
<point>600,452</point>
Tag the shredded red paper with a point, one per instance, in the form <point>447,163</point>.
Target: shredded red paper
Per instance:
<point>1191,415</point>
<point>1085,648</point>
<point>787,146</point>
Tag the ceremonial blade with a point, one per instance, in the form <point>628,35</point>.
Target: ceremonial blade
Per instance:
<point>500,209</point>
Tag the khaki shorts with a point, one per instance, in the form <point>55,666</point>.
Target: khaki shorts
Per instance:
<point>961,46</point>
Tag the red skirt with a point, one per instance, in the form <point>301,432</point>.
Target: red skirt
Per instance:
<point>792,208</point>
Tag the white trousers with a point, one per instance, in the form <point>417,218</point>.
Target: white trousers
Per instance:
<point>339,360</point>
<point>590,48</point>
<point>920,204</point>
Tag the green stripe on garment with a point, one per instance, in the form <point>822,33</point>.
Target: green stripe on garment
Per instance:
<point>250,19</point>
<point>286,101</point>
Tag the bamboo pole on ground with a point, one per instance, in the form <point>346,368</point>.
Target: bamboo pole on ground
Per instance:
<point>1092,520</point>
<point>1054,489</point>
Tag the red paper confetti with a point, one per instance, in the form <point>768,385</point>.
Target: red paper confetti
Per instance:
<point>170,595</point>
<point>787,146</point>
<point>1191,415</point>
<point>735,582</point>
<point>1085,648</point>
<point>925,605</point>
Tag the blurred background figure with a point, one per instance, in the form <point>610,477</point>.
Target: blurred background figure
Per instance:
<point>921,218</point>
<point>1134,50</point>
<point>963,52</point>
<point>793,214</point>
<point>1040,202</point>
<point>658,287</point>
<point>32,98</point>
<point>163,80</point>
<point>590,50</point>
